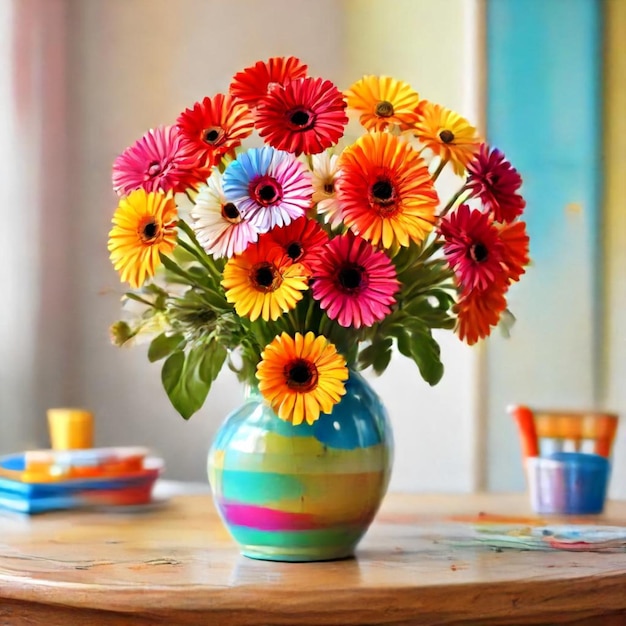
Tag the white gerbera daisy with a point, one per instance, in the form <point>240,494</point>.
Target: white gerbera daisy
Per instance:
<point>219,226</point>
<point>325,175</point>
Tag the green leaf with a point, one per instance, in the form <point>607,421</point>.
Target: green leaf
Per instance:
<point>163,346</point>
<point>425,352</point>
<point>187,378</point>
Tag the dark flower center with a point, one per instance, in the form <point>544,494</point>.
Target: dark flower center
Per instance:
<point>384,108</point>
<point>154,169</point>
<point>350,277</point>
<point>295,250</point>
<point>231,212</point>
<point>212,135</point>
<point>329,188</point>
<point>263,276</point>
<point>447,136</point>
<point>383,193</point>
<point>301,119</point>
<point>479,252</point>
<point>149,231</point>
<point>266,190</point>
<point>301,375</point>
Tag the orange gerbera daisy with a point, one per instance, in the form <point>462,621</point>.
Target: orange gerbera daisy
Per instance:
<point>263,282</point>
<point>144,226</point>
<point>385,191</point>
<point>478,311</point>
<point>301,377</point>
<point>382,101</point>
<point>447,134</point>
<point>214,127</point>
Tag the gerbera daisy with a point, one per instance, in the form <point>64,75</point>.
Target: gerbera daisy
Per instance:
<point>478,311</point>
<point>301,377</point>
<point>473,247</point>
<point>157,162</point>
<point>263,282</point>
<point>214,127</point>
<point>306,115</point>
<point>144,226</point>
<point>218,224</point>
<point>325,175</point>
<point>302,240</point>
<point>382,101</point>
<point>496,182</point>
<point>354,283</point>
<point>270,187</point>
<point>253,83</point>
<point>385,191</point>
<point>515,244</point>
<point>447,134</point>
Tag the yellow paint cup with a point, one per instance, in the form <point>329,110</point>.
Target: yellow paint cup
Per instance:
<point>70,428</point>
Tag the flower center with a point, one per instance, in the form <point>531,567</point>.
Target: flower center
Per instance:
<point>295,250</point>
<point>264,277</point>
<point>384,108</point>
<point>212,135</point>
<point>329,188</point>
<point>301,119</point>
<point>149,231</point>
<point>447,136</point>
<point>301,375</point>
<point>479,252</point>
<point>351,278</point>
<point>266,191</point>
<point>154,169</point>
<point>231,213</point>
<point>383,193</point>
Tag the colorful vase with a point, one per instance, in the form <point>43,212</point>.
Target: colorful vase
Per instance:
<point>302,493</point>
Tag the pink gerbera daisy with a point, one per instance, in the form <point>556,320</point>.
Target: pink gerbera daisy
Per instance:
<point>214,127</point>
<point>157,162</point>
<point>354,283</point>
<point>253,83</point>
<point>473,247</point>
<point>306,115</point>
<point>496,182</point>
<point>302,241</point>
<point>270,187</point>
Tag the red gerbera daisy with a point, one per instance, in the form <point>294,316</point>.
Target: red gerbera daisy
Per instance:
<point>473,247</point>
<point>214,127</point>
<point>253,83</point>
<point>495,181</point>
<point>478,311</point>
<point>302,240</point>
<point>157,162</point>
<point>515,243</point>
<point>354,283</point>
<point>306,115</point>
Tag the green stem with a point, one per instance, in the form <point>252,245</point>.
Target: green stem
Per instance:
<point>442,164</point>
<point>453,200</point>
<point>133,296</point>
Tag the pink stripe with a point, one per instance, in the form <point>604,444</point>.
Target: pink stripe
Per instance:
<point>266,519</point>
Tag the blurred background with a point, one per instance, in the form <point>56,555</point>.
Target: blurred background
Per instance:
<point>80,80</point>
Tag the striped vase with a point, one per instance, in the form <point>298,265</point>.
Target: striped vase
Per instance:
<point>302,493</point>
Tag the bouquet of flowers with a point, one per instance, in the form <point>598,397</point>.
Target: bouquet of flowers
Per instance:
<point>307,254</point>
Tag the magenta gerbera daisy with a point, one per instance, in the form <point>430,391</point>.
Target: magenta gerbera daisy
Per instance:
<point>496,182</point>
<point>214,127</point>
<point>253,83</point>
<point>307,116</point>
<point>157,162</point>
<point>302,241</point>
<point>473,247</point>
<point>270,187</point>
<point>354,283</point>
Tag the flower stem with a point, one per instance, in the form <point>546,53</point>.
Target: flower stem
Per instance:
<point>442,164</point>
<point>453,200</point>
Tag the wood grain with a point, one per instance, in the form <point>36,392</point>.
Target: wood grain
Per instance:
<point>177,565</point>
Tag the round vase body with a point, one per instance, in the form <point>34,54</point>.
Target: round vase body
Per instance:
<point>307,492</point>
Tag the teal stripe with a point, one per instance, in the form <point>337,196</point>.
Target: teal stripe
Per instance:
<point>257,487</point>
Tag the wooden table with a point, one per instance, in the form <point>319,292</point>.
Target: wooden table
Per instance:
<point>177,566</point>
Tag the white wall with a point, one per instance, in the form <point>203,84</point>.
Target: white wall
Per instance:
<point>137,63</point>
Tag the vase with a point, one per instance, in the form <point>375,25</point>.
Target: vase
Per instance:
<point>306,492</point>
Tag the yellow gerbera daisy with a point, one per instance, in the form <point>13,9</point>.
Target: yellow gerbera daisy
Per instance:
<point>263,282</point>
<point>382,101</point>
<point>447,134</point>
<point>301,376</point>
<point>144,225</point>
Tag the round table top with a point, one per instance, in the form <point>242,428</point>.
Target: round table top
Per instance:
<point>177,565</point>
